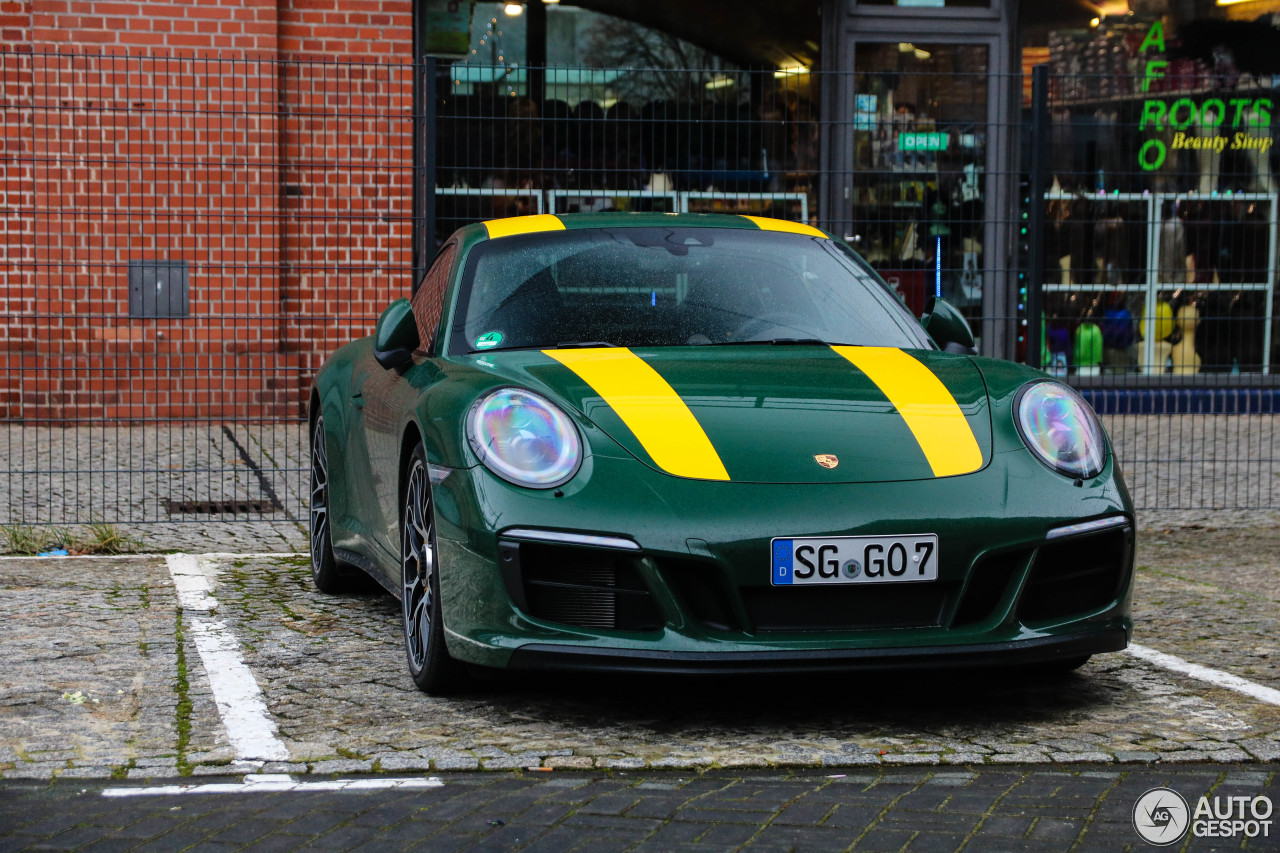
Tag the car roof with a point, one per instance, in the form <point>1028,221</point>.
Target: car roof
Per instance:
<point>545,222</point>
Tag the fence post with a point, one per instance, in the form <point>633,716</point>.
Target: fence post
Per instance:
<point>1035,221</point>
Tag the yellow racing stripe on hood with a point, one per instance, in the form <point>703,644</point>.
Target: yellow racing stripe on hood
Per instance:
<point>650,408</point>
<point>931,413</point>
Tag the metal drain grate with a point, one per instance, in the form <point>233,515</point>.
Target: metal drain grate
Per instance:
<point>229,507</point>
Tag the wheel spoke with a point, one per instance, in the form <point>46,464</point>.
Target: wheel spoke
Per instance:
<point>422,617</point>
<point>319,526</point>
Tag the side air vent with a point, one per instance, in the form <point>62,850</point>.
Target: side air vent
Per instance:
<point>1077,575</point>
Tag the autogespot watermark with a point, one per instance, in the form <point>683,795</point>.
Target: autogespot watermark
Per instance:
<point>1162,816</point>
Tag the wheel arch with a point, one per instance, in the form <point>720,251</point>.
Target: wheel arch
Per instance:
<point>410,439</point>
<point>313,408</point>
<point>324,403</point>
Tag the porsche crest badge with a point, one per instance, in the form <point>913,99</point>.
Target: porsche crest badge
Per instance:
<point>826,460</point>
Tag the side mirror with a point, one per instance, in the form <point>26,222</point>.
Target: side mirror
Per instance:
<point>947,326</point>
<point>396,335</point>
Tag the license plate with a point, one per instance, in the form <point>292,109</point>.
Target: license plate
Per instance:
<point>854,559</point>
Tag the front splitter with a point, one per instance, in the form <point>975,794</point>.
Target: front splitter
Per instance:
<point>546,657</point>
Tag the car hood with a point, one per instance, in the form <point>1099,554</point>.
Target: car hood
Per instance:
<point>775,414</point>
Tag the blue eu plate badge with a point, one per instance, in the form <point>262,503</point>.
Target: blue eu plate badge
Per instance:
<point>782,554</point>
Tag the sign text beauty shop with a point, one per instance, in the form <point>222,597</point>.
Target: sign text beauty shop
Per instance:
<point>1205,124</point>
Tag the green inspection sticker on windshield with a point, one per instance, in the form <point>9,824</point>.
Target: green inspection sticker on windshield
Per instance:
<point>489,340</point>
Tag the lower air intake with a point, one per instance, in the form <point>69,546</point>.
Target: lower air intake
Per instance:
<point>586,588</point>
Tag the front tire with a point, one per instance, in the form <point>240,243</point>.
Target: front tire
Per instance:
<point>432,668</point>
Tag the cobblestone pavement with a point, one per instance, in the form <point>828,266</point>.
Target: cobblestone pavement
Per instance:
<point>1007,808</point>
<point>105,681</point>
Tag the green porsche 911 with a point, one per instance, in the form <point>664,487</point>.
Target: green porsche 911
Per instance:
<point>706,443</point>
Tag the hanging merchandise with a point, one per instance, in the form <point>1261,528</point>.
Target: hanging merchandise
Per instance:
<point>909,249</point>
<point>938,226</point>
<point>1059,339</point>
<point>1174,266</point>
<point>970,189</point>
<point>1088,349</point>
<point>1162,329</point>
<point>1118,336</point>
<point>1185,359</point>
<point>971,271</point>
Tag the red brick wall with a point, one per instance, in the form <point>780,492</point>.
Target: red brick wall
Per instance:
<point>349,165</point>
<point>265,145</point>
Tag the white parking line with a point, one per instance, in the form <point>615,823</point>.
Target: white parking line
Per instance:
<point>1216,677</point>
<point>269,783</point>
<point>252,732</point>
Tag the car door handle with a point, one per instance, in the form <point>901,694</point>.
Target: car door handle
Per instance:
<point>358,399</point>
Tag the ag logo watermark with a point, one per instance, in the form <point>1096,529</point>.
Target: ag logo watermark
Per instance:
<point>1161,817</point>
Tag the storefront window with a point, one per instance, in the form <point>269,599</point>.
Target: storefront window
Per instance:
<point>1161,222</point>
<point>919,168</point>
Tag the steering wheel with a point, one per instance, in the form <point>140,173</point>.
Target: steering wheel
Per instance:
<point>751,330</point>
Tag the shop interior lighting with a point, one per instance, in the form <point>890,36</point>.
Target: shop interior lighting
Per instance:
<point>514,9</point>
<point>790,71</point>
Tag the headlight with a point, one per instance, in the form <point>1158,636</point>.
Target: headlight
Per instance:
<point>1060,428</point>
<point>524,439</point>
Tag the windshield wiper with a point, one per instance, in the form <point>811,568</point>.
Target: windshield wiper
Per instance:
<point>584,344</point>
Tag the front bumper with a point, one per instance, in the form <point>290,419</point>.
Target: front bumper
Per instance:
<point>685,570</point>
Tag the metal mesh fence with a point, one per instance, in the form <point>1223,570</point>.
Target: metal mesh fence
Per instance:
<point>685,141</point>
<point>188,238</point>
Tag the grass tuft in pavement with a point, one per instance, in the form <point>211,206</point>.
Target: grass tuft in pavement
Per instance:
<point>97,537</point>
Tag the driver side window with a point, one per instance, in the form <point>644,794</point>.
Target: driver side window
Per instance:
<point>428,300</point>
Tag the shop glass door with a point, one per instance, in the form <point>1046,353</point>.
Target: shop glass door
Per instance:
<point>918,157</point>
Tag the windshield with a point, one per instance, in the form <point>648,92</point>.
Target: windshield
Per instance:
<point>656,287</point>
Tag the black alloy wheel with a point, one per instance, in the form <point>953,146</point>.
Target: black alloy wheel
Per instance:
<point>432,668</point>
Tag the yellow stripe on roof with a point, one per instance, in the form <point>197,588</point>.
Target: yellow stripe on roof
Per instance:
<point>931,413</point>
<point>766,224</point>
<point>650,408</point>
<point>523,225</point>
